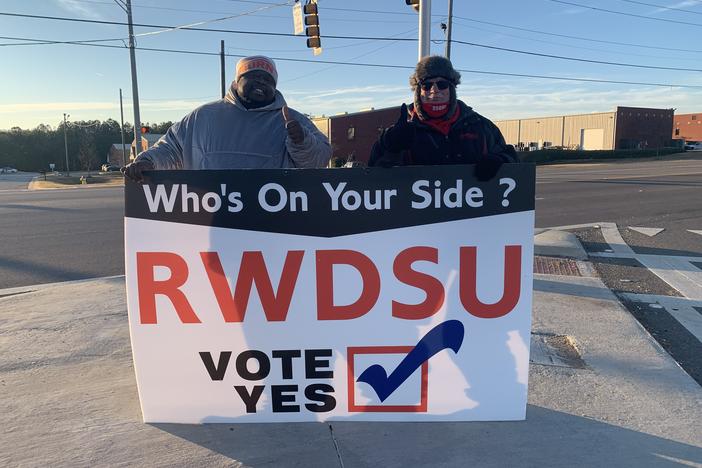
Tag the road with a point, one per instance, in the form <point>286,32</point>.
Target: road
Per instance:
<point>59,235</point>
<point>66,234</point>
<point>657,194</point>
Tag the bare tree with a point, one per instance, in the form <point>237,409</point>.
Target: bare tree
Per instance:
<point>87,154</point>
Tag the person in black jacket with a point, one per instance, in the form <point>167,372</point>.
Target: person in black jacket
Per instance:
<point>440,129</point>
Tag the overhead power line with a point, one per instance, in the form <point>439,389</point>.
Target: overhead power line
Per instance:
<point>219,12</point>
<point>402,67</point>
<point>575,59</point>
<point>662,7</point>
<point>354,10</point>
<point>216,20</point>
<point>580,38</point>
<point>189,28</point>
<point>625,14</point>
<point>31,41</point>
<point>486,46</point>
<point>564,44</point>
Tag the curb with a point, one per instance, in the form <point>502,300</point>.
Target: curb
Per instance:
<point>554,243</point>
<point>36,184</point>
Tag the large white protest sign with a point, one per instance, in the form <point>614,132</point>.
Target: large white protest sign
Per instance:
<point>397,294</point>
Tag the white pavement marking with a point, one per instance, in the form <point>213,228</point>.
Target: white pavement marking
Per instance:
<point>680,308</point>
<point>680,274</point>
<point>635,255</point>
<point>650,232</point>
<point>677,271</point>
<point>695,232</point>
<point>573,226</point>
<point>615,239</point>
<point>37,287</point>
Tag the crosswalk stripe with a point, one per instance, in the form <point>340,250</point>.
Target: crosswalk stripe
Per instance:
<point>650,232</point>
<point>682,309</point>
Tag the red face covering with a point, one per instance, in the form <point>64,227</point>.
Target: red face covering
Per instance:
<point>442,126</point>
<point>435,110</point>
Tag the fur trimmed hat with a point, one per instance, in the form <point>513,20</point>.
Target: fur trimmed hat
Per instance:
<point>434,66</point>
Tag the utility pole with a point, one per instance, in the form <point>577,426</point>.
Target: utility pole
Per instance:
<point>135,87</point>
<point>121,129</point>
<point>221,65</point>
<point>65,142</point>
<point>424,28</point>
<point>448,29</point>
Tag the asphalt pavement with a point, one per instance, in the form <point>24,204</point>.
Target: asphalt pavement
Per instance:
<point>67,234</point>
<point>656,194</point>
<point>15,181</point>
<point>60,235</point>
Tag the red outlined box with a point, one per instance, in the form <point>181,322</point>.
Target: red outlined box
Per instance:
<point>352,351</point>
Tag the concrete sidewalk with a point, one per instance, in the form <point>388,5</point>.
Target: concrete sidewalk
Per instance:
<point>68,398</point>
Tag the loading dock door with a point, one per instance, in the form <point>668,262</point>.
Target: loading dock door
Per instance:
<point>592,138</point>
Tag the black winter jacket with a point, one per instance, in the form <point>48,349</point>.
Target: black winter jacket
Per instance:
<point>471,137</point>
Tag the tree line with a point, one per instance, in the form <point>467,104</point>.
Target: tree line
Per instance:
<point>88,144</point>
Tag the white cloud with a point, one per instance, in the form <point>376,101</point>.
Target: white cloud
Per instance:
<point>500,100</point>
<point>569,11</point>
<point>353,99</point>
<point>497,100</point>
<point>80,8</point>
<point>54,106</point>
<point>683,4</point>
<point>506,103</point>
<point>173,104</point>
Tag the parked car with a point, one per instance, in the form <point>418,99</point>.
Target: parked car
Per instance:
<point>109,168</point>
<point>7,170</point>
<point>693,146</point>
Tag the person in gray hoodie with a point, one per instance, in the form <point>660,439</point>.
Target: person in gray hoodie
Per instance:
<point>250,128</point>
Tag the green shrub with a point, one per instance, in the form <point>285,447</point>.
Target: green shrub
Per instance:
<point>556,155</point>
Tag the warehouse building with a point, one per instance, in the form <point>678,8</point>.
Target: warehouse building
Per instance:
<point>687,127</point>
<point>352,134</point>
<point>624,128</point>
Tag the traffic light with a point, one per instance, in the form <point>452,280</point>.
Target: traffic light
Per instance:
<point>413,3</point>
<point>312,25</point>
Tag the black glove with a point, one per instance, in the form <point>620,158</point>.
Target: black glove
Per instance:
<point>389,159</point>
<point>487,166</point>
<point>134,170</point>
<point>401,135</point>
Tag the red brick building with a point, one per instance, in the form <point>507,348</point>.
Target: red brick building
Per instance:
<point>352,135</point>
<point>687,127</point>
<point>641,127</point>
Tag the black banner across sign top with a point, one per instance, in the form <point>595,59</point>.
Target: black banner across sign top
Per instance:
<point>329,202</point>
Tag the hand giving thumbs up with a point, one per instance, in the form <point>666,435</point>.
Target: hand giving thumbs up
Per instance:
<point>295,131</point>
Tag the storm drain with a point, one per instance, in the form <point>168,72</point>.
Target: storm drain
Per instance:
<point>556,266</point>
<point>555,350</point>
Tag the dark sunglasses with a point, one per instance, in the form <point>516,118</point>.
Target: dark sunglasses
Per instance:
<point>441,84</point>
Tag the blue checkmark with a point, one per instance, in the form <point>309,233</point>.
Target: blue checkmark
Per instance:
<point>445,335</point>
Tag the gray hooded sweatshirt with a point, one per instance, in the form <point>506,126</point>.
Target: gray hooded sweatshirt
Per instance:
<point>225,135</point>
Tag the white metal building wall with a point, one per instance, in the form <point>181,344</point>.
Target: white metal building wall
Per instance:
<point>564,130</point>
<point>575,124</point>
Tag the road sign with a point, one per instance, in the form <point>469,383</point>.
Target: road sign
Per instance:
<point>297,18</point>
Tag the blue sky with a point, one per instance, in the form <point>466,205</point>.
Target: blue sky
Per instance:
<point>41,82</point>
